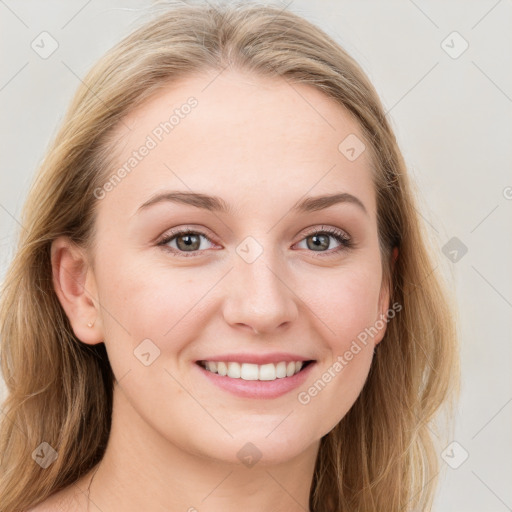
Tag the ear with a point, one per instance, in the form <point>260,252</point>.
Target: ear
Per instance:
<point>75,287</point>
<point>384,297</point>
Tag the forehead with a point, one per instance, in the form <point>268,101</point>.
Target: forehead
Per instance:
<point>240,136</point>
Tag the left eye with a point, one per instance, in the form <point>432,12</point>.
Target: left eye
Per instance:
<point>319,240</point>
<point>181,242</point>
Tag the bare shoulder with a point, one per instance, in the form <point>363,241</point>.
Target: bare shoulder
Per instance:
<point>68,499</point>
<point>72,498</point>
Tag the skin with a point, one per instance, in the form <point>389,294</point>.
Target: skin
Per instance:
<point>261,145</point>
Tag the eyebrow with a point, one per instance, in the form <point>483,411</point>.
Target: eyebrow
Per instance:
<point>217,204</point>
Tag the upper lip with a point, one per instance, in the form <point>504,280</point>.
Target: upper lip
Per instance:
<point>257,358</point>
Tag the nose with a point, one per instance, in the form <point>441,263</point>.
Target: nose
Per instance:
<point>260,297</point>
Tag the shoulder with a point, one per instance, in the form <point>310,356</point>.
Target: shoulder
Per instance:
<point>66,500</point>
<point>72,498</point>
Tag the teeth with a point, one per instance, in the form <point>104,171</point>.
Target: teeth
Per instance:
<point>234,370</point>
<point>249,371</point>
<point>281,370</point>
<point>222,369</point>
<point>268,372</point>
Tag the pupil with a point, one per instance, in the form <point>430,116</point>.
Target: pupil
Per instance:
<point>317,243</point>
<point>190,241</point>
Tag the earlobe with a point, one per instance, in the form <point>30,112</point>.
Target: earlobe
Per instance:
<point>70,274</point>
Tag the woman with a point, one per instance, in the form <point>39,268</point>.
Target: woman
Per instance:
<point>223,296</point>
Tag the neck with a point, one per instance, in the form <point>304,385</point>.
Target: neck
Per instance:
<point>142,470</point>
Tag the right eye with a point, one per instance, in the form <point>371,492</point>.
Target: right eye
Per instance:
<point>185,241</point>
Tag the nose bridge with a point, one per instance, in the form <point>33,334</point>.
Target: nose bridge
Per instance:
<point>258,294</point>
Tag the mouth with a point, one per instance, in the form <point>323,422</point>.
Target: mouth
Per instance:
<point>249,380</point>
<point>255,372</point>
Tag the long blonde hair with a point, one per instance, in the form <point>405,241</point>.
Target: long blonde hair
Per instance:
<point>382,455</point>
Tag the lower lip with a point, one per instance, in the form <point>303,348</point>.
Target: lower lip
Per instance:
<point>257,388</point>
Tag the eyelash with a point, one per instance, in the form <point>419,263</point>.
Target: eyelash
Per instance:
<point>338,234</point>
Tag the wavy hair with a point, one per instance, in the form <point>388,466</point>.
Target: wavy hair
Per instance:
<point>382,455</point>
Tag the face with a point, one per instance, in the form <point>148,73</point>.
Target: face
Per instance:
<point>258,281</point>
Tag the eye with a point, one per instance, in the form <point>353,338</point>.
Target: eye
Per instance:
<point>185,241</point>
<point>319,240</point>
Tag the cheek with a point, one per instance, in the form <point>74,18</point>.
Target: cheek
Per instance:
<point>347,306</point>
<point>346,302</point>
<point>335,387</point>
<point>151,301</point>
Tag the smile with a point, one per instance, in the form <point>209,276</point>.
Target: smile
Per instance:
<point>249,371</point>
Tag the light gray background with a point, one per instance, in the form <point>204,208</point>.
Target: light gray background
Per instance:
<point>452,117</point>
